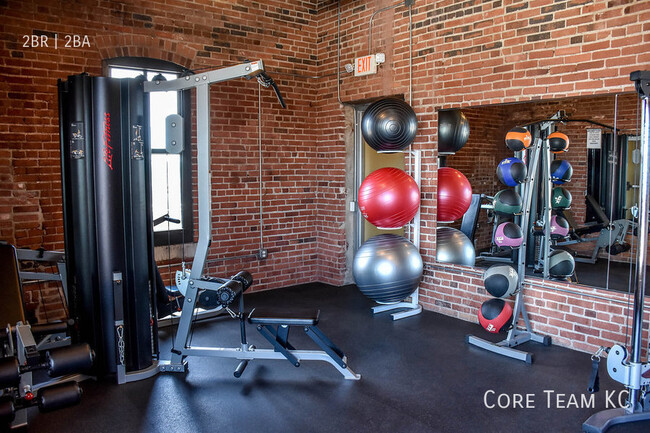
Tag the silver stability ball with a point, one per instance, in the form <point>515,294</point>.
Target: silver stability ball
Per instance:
<point>387,268</point>
<point>452,246</point>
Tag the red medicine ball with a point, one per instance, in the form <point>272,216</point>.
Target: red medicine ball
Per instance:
<point>495,315</point>
<point>454,194</point>
<point>389,198</point>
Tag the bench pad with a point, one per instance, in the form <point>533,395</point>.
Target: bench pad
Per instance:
<point>298,317</point>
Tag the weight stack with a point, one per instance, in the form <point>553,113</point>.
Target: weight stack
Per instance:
<point>105,163</point>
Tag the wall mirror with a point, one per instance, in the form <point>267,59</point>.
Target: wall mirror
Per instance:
<point>593,186</point>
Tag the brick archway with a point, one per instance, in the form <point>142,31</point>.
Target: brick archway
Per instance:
<point>145,46</point>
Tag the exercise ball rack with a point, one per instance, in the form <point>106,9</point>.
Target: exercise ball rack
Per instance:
<point>411,306</point>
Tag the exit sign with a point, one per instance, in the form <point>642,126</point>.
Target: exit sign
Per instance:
<point>365,65</point>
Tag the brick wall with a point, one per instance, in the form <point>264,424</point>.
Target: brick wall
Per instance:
<point>198,35</point>
<point>465,54</point>
<point>579,317</point>
<point>469,54</point>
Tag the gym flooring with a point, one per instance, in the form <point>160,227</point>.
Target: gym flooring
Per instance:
<point>619,275</point>
<point>418,375</point>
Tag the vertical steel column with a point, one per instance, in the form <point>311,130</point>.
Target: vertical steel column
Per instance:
<point>204,178</point>
<point>417,175</point>
<point>640,270</point>
<point>527,201</point>
<point>546,178</point>
<point>205,216</point>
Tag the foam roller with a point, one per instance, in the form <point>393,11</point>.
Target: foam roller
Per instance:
<point>58,396</point>
<point>245,278</point>
<point>68,360</point>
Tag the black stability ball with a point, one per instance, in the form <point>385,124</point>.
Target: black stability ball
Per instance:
<point>453,131</point>
<point>389,124</point>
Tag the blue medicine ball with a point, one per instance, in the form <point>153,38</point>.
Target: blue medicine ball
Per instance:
<point>561,171</point>
<point>511,171</point>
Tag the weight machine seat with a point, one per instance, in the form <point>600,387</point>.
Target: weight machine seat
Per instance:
<point>595,227</point>
<point>574,253</point>
<point>304,317</point>
<point>11,307</point>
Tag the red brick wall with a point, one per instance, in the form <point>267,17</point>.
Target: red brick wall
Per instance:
<point>466,55</point>
<point>575,316</point>
<point>197,35</point>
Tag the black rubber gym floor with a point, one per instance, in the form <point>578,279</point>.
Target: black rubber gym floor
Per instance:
<point>418,375</point>
<point>619,275</point>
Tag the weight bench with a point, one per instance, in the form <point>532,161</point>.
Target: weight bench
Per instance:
<point>273,325</point>
<point>275,328</point>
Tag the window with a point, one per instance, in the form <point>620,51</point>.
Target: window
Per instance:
<point>171,173</point>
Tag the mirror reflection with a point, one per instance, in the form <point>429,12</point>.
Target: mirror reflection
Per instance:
<point>584,185</point>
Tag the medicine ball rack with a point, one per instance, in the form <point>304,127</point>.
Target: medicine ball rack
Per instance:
<point>538,154</point>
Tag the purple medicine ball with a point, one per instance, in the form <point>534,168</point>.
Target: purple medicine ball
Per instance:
<point>508,235</point>
<point>559,227</point>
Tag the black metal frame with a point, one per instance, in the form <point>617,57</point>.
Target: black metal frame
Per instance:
<point>602,173</point>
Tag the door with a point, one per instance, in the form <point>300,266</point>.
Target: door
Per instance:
<point>368,160</point>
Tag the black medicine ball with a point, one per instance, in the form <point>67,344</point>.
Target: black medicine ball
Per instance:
<point>558,142</point>
<point>518,138</point>
<point>500,280</point>
<point>561,264</point>
<point>507,202</point>
<point>561,198</point>
<point>512,171</point>
<point>561,171</point>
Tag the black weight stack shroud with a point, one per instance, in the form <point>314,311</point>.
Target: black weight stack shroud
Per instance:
<point>106,170</point>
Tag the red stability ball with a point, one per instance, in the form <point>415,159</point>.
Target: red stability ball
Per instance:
<point>454,194</point>
<point>389,198</point>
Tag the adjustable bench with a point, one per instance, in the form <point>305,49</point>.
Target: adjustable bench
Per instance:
<point>275,326</point>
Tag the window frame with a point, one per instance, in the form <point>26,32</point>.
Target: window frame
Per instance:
<point>146,64</point>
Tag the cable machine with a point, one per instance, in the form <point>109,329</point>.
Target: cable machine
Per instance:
<point>629,369</point>
<point>195,286</point>
<point>105,164</point>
